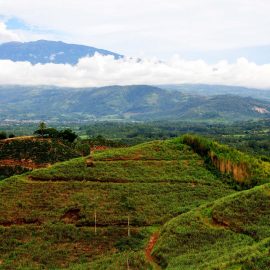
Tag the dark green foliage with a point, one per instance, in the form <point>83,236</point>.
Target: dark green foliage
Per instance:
<point>3,135</point>
<point>47,133</point>
<point>65,135</point>
<point>39,151</point>
<point>252,137</point>
<point>19,155</point>
<point>83,148</point>
<point>99,140</point>
<point>7,171</point>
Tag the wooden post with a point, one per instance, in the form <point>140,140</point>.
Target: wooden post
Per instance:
<point>127,264</point>
<point>95,221</point>
<point>128,227</point>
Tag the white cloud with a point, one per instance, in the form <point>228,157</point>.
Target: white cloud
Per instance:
<point>105,70</point>
<point>7,35</point>
<point>153,27</point>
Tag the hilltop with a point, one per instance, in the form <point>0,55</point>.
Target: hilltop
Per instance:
<point>21,154</point>
<point>45,51</point>
<point>75,214</point>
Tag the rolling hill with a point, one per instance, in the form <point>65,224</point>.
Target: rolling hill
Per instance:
<point>108,215</point>
<point>212,90</point>
<point>44,51</point>
<point>137,102</point>
<point>231,233</point>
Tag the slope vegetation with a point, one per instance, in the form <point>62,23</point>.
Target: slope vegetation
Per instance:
<point>244,169</point>
<point>74,216</point>
<point>231,233</point>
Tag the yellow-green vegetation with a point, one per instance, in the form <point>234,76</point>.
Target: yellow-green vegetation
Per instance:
<point>245,169</point>
<point>74,216</point>
<point>47,216</point>
<point>231,233</point>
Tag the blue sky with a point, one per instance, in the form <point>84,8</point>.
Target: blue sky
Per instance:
<point>199,41</point>
<point>145,28</point>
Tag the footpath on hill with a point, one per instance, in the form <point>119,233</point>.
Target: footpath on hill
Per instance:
<point>149,248</point>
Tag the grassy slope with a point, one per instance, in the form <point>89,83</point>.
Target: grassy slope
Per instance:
<point>231,233</point>
<point>245,169</point>
<point>50,223</point>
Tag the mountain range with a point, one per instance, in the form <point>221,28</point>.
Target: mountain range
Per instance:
<point>196,102</point>
<point>44,51</point>
<point>210,90</point>
<point>130,103</point>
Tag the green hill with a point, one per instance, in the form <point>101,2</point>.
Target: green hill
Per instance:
<point>231,233</point>
<point>75,214</point>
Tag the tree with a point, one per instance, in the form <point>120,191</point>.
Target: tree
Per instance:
<point>68,135</point>
<point>42,126</point>
<point>83,148</point>
<point>3,135</point>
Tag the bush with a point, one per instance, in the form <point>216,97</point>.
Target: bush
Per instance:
<point>83,148</point>
<point>3,135</point>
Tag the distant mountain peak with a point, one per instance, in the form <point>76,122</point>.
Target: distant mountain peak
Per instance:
<point>46,51</point>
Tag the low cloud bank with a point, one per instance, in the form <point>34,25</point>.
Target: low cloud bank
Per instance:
<point>105,70</point>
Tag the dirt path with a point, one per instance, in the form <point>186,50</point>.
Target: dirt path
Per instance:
<point>149,249</point>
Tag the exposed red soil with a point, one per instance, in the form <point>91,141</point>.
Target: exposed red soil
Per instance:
<point>29,164</point>
<point>220,223</point>
<point>20,221</point>
<point>150,247</point>
<point>136,158</point>
<point>25,138</point>
<point>19,138</point>
<point>238,171</point>
<point>54,179</point>
<point>71,216</point>
<point>99,148</point>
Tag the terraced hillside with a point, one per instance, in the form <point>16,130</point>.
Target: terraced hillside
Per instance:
<point>231,233</point>
<point>51,222</point>
<point>21,154</point>
<point>106,212</point>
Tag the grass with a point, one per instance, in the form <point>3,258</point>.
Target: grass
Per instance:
<point>231,233</point>
<point>51,222</point>
<point>245,169</point>
<point>47,216</point>
<point>157,161</point>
